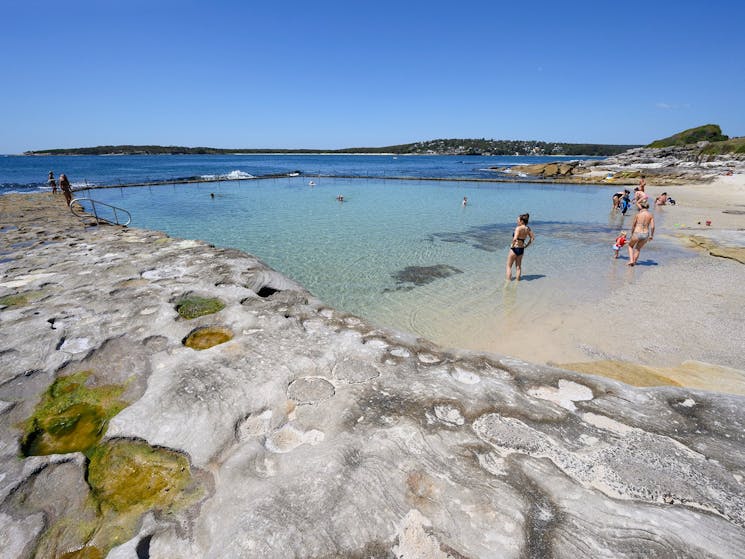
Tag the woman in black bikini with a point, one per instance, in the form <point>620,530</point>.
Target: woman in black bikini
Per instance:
<point>518,246</point>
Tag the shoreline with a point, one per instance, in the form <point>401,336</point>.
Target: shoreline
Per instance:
<point>657,320</point>
<point>265,405</point>
<point>569,335</point>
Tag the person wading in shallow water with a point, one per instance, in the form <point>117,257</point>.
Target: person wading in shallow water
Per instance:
<point>642,231</point>
<point>517,248</point>
<point>64,186</point>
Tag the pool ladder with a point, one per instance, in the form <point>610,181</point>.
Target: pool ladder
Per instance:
<point>112,211</point>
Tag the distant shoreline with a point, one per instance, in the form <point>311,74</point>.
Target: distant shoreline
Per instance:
<point>460,147</point>
<point>279,153</point>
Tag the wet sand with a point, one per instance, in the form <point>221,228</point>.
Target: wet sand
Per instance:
<point>663,321</point>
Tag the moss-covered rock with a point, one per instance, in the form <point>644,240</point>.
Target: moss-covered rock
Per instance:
<point>16,300</point>
<point>194,306</point>
<point>87,552</point>
<point>132,476</point>
<point>126,479</point>
<point>71,416</point>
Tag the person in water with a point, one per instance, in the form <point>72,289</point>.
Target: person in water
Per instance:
<point>464,203</point>
<point>620,241</point>
<point>625,202</point>
<point>617,197</point>
<point>522,234</point>
<point>642,231</point>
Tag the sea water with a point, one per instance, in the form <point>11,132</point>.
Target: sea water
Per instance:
<point>408,254</point>
<point>29,173</point>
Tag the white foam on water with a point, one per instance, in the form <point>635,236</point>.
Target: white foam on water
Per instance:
<point>232,175</point>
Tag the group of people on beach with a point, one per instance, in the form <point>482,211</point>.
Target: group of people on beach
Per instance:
<point>642,228</point>
<point>64,186</point>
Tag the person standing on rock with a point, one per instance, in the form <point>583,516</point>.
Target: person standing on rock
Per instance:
<point>51,182</point>
<point>518,246</point>
<point>64,186</point>
<point>642,231</point>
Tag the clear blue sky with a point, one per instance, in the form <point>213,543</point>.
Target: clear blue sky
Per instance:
<point>332,74</point>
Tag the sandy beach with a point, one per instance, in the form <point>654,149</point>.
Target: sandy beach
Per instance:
<point>681,323</point>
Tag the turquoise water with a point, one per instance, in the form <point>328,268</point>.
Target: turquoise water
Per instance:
<point>357,255</point>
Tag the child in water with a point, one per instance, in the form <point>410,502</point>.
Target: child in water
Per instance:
<point>620,241</point>
<point>625,202</point>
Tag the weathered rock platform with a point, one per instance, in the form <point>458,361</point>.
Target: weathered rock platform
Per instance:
<point>286,428</point>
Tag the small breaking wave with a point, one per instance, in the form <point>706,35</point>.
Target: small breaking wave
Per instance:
<point>231,176</point>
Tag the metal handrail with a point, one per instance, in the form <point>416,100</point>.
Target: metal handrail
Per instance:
<point>98,218</point>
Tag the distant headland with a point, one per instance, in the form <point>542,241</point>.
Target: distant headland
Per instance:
<point>452,146</point>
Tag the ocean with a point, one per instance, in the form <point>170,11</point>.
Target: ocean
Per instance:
<point>404,254</point>
<point>29,173</point>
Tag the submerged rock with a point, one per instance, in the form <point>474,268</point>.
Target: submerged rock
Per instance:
<point>422,275</point>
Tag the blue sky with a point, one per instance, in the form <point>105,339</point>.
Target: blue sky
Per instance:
<point>331,74</point>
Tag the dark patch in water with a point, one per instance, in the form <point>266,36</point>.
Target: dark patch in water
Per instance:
<point>498,236</point>
<point>422,275</point>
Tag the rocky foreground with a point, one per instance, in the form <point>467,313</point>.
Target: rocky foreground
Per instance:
<point>660,166</point>
<point>165,398</point>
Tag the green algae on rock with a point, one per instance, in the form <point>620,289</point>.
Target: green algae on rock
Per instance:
<point>204,338</point>
<point>134,477</point>
<point>17,300</point>
<point>126,479</point>
<point>22,299</point>
<point>71,417</point>
<point>86,552</point>
<point>193,306</point>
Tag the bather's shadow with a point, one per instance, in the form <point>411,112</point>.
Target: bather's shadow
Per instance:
<point>647,262</point>
<point>532,277</point>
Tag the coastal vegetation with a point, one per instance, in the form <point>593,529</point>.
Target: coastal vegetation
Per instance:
<point>733,145</point>
<point>452,146</point>
<point>707,132</point>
